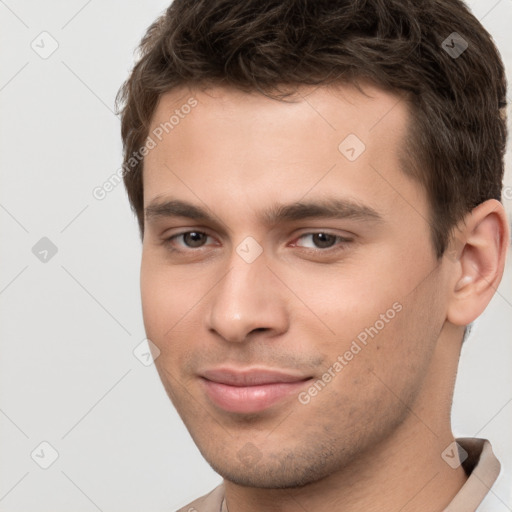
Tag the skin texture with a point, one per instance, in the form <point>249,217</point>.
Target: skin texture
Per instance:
<point>372,438</point>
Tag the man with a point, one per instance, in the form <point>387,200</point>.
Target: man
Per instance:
<point>318,187</point>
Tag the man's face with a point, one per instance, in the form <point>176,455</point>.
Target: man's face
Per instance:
<point>297,315</point>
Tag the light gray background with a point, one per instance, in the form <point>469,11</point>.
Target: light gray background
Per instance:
<point>69,325</point>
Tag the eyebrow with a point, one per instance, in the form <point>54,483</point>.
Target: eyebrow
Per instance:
<point>327,208</point>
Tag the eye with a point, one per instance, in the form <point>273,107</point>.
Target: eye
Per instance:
<point>188,239</point>
<point>320,240</point>
<point>316,241</point>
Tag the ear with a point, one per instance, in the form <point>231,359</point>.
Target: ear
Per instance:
<point>477,252</point>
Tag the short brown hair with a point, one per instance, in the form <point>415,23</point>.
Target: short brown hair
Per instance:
<point>458,128</point>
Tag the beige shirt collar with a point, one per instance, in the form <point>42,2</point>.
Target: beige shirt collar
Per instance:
<point>481,466</point>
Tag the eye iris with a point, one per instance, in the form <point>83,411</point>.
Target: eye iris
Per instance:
<point>323,240</point>
<point>194,239</point>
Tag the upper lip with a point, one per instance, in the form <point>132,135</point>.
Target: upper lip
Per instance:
<point>250,377</point>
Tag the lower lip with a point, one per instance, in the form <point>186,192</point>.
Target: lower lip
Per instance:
<point>250,399</point>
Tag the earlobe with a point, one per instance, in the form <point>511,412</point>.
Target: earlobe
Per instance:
<point>480,262</point>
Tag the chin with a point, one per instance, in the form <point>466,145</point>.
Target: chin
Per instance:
<point>272,472</point>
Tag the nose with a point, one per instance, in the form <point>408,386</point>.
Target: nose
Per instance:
<point>248,299</point>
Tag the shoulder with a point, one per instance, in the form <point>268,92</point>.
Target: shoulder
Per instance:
<point>210,502</point>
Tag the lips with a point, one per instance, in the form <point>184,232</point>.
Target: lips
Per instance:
<point>251,390</point>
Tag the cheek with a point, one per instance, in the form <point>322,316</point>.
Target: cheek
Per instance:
<point>344,304</point>
<point>396,354</point>
<point>163,302</point>
<point>173,311</point>
<point>381,331</point>
<point>154,299</point>
<point>380,377</point>
<point>167,293</point>
<point>161,310</point>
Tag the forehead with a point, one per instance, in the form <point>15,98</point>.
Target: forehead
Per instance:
<point>223,146</point>
<point>309,110</point>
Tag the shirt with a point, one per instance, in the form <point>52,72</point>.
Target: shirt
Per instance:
<point>481,466</point>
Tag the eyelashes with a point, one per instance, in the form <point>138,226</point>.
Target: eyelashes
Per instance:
<point>193,241</point>
<point>323,240</point>
<point>194,237</point>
